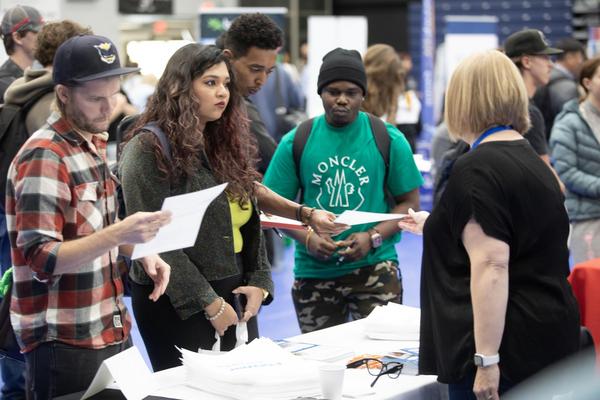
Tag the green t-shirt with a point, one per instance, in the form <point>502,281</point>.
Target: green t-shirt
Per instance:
<point>342,169</point>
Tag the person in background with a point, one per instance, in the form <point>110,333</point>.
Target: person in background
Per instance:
<point>20,26</point>
<point>385,81</point>
<point>495,258</point>
<point>408,114</point>
<point>35,80</point>
<point>341,168</point>
<point>279,95</point>
<point>575,143</point>
<point>407,67</point>
<point>562,85</point>
<point>252,43</point>
<point>531,53</point>
<point>67,308</point>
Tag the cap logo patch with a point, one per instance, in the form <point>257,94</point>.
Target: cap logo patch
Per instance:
<point>105,52</point>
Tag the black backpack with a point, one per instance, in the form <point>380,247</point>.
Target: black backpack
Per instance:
<point>13,133</point>
<point>542,100</point>
<point>382,140</point>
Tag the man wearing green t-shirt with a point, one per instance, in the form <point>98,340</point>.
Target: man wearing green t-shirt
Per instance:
<point>341,169</point>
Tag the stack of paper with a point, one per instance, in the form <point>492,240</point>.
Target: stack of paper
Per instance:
<point>393,322</point>
<point>317,352</point>
<point>259,370</point>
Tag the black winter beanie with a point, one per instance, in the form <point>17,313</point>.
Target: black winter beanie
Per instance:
<point>342,65</point>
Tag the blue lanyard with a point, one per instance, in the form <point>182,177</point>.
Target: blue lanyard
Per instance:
<point>489,132</point>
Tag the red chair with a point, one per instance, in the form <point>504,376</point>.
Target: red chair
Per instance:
<point>585,281</point>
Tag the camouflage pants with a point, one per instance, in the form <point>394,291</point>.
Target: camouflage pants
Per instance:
<point>322,303</point>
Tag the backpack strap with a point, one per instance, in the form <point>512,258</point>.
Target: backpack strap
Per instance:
<point>302,133</point>
<point>382,140</point>
<point>162,138</point>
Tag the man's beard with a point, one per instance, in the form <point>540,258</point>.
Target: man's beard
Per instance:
<point>79,121</point>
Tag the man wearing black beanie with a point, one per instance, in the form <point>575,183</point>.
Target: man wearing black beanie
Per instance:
<point>336,163</point>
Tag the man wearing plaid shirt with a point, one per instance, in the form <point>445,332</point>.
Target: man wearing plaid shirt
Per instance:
<point>67,309</point>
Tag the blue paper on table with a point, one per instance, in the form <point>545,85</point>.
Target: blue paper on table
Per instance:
<point>407,356</point>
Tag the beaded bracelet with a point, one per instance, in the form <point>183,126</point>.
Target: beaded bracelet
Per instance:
<point>218,314</point>
<point>299,212</point>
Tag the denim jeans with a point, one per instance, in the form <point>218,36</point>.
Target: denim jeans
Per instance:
<point>13,378</point>
<point>57,369</point>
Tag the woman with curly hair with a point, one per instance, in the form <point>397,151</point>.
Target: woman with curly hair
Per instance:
<point>198,108</point>
<point>385,81</point>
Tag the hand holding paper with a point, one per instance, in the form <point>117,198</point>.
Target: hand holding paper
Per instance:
<point>325,222</point>
<point>141,227</point>
<point>414,222</point>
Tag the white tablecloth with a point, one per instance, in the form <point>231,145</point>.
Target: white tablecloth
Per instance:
<point>351,335</point>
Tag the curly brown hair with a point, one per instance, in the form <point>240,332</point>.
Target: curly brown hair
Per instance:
<point>52,35</point>
<point>385,81</point>
<point>230,149</point>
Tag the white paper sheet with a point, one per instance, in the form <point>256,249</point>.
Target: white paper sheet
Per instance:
<point>130,372</point>
<point>187,214</point>
<point>274,221</point>
<point>363,217</point>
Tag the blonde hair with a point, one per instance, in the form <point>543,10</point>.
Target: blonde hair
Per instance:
<point>385,81</point>
<point>486,90</point>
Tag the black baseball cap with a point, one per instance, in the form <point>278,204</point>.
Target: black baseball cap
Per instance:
<point>86,58</point>
<point>21,18</point>
<point>528,41</point>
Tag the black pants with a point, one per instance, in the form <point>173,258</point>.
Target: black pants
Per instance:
<point>162,329</point>
<point>56,369</point>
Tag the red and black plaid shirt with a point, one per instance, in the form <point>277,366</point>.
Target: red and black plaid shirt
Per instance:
<point>59,188</point>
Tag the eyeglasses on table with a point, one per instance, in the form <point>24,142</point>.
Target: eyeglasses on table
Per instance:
<point>378,368</point>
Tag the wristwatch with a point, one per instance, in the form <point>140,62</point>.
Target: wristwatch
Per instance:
<point>485,361</point>
<point>376,238</point>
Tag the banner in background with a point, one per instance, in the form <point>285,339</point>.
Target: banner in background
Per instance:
<point>427,114</point>
<point>213,22</point>
<point>593,45</point>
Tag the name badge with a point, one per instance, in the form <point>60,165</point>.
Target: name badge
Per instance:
<point>117,321</point>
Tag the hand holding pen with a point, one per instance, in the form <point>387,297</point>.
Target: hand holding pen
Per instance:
<point>342,253</point>
<point>357,246</point>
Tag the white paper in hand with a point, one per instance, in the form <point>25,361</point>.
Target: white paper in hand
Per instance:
<point>351,217</point>
<point>187,212</point>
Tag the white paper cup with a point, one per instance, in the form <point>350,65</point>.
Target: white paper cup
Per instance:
<point>331,377</point>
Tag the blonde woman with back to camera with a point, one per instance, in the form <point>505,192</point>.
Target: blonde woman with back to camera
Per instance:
<point>500,223</point>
